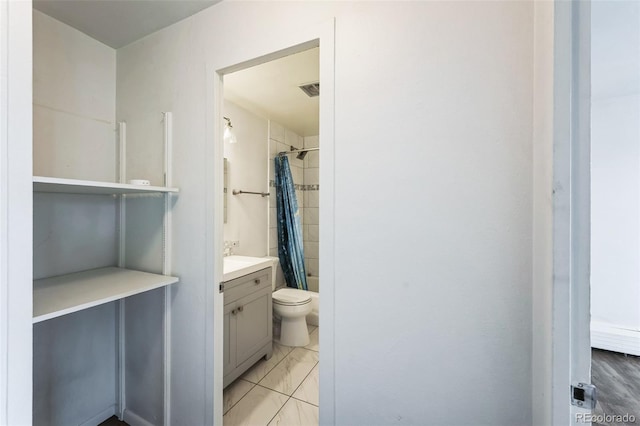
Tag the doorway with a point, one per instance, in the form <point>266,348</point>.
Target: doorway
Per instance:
<point>271,111</point>
<point>615,210</point>
<point>215,230</point>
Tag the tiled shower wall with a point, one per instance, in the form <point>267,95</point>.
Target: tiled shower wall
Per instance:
<point>306,178</point>
<point>311,206</point>
<point>281,139</point>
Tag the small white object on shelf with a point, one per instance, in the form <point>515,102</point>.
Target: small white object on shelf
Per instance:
<point>139,182</point>
<point>75,186</point>
<point>65,294</point>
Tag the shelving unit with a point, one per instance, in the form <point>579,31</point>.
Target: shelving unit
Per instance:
<point>65,294</point>
<point>74,186</point>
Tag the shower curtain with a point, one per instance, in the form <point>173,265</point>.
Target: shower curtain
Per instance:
<point>290,249</point>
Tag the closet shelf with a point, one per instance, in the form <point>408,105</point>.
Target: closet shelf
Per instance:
<point>65,294</point>
<point>75,186</point>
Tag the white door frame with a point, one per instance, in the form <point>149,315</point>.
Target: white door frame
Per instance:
<point>323,36</point>
<point>571,353</point>
<point>16,213</point>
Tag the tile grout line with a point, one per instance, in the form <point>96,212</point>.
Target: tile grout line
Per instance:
<point>305,378</point>
<point>238,401</point>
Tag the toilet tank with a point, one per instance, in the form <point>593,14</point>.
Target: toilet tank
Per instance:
<point>277,279</point>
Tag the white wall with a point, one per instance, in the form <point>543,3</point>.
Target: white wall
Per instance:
<point>73,120</point>
<point>73,103</point>
<point>615,126</point>
<point>433,166</point>
<point>247,171</point>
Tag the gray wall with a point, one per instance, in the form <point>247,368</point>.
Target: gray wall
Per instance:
<point>433,204</point>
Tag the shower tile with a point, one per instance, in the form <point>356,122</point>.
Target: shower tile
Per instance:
<point>312,159</point>
<point>312,267</point>
<point>296,412</point>
<point>313,199</point>
<point>276,131</point>
<point>305,233</point>
<point>311,216</point>
<point>314,233</point>
<point>257,408</point>
<point>262,367</point>
<point>282,147</point>
<point>234,393</point>
<point>273,217</point>
<point>273,238</point>
<point>311,250</point>
<point>311,141</point>
<point>273,147</point>
<point>311,176</point>
<point>291,138</point>
<point>291,371</point>
<point>273,251</point>
<point>309,389</point>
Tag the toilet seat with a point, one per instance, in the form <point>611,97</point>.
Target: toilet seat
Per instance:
<point>291,297</point>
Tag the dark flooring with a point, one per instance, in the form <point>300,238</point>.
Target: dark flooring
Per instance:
<point>617,378</point>
<point>113,421</point>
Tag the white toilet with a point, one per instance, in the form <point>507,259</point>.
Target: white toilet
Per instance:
<point>292,306</point>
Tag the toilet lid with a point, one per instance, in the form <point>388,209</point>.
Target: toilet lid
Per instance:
<point>291,297</point>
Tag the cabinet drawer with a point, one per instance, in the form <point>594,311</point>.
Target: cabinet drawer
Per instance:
<point>242,286</point>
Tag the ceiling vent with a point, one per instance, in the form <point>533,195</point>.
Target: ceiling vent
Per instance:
<point>312,89</point>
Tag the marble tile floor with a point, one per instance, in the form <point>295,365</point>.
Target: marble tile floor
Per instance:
<point>282,391</point>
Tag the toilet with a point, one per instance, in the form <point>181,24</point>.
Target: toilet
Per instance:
<point>292,306</point>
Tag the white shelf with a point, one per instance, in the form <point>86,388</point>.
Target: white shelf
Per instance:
<point>57,296</point>
<point>74,186</point>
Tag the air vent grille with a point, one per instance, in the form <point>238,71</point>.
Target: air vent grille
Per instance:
<point>312,89</point>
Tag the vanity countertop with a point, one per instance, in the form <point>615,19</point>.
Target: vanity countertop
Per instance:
<point>237,266</point>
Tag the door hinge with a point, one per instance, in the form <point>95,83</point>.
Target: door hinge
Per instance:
<point>221,287</point>
<point>584,395</point>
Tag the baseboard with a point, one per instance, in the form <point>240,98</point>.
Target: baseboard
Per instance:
<point>133,419</point>
<point>611,338</point>
<point>101,417</point>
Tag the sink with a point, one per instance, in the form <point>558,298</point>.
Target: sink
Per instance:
<point>238,266</point>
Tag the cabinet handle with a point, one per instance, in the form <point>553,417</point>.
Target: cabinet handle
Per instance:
<point>233,312</point>
<point>240,308</point>
<point>257,281</point>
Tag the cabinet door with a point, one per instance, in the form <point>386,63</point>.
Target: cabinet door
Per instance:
<point>229,346</point>
<point>253,324</point>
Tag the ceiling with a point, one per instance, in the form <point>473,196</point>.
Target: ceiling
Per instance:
<point>271,90</point>
<point>117,23</point>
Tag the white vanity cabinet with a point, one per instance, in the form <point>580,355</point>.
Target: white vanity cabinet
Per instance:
<point>247,322</point>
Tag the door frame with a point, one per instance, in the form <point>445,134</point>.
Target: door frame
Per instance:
<point>323,36</point>
<point>571,348</point>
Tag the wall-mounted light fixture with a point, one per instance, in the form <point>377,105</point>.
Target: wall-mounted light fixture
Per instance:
<point>229,134</point>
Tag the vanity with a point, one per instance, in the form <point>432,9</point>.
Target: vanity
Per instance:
<point>247,314</point>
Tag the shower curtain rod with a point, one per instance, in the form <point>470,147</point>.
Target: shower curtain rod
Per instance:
<point>297,151</point>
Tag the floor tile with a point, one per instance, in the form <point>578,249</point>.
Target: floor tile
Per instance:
<point>296,413</point>
<point>309,389</point>
<point>291,371</point>
<point>234,392</point>
<point>257,407</point>
<point>314,344</point>
<point>262,367</point>
<point>311,328</point>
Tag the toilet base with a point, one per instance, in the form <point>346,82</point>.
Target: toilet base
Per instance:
<point>294,332</point>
